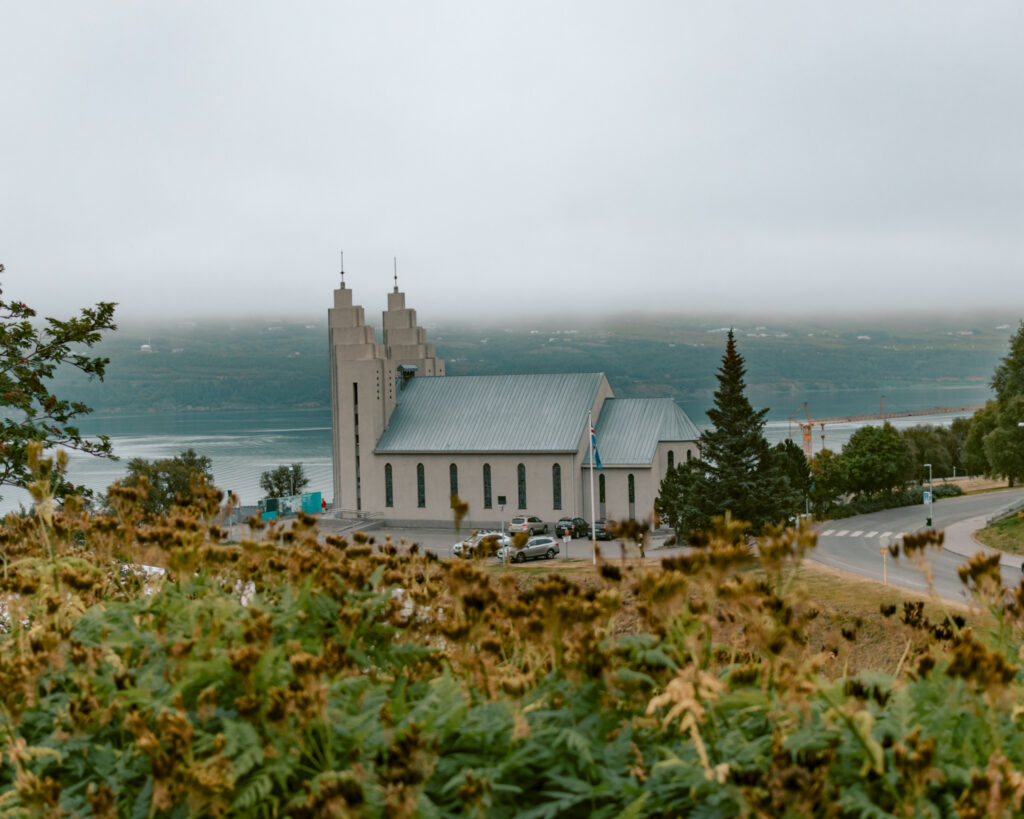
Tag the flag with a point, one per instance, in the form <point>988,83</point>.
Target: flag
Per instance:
<point>593,446</point>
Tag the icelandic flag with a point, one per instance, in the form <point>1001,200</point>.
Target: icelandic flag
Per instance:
<point>593,446</point>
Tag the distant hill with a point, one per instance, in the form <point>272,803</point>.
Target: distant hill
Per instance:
<point>249,364</point>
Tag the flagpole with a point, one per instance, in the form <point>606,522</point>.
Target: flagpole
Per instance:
<point>593,509</point>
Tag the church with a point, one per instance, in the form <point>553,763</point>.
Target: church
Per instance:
<point>407,437</point>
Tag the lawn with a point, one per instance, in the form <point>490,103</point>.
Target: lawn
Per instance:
<point>1007,535</point>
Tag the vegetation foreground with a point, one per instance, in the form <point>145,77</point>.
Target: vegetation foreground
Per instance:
<point>292,678</point>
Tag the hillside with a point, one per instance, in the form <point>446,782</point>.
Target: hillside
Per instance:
<point>284,364</point>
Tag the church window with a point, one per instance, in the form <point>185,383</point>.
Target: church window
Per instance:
<point>389,490</point>
<point>600,493</point>
<point>487,486</point>
<point>421,487</point>
<point>522,486</point>
<point>556,486</point>
<point>689,455</point>
<point>671,459</point>
<point>453,479</point>
<point>632,498</point>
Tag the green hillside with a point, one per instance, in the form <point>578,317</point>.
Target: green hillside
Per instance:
<point>258,364</point>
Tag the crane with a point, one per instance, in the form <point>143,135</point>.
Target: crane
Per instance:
<point>807,427</point>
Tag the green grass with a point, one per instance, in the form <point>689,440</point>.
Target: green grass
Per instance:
<point>1007,535</point>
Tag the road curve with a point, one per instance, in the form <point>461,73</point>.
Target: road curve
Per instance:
<point>854,544</point>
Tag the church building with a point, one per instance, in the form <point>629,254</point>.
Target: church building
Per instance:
<point>406,437</point>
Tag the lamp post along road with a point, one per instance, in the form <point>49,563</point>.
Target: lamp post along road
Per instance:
<point>929,495</point>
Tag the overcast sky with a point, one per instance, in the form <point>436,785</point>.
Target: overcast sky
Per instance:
<point>184,158</point>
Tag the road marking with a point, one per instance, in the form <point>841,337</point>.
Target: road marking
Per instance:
<point>840,534</point>
<point>858,533</point>
<point>871,534</point>
<point>886,534</point>
<point>829,532</point>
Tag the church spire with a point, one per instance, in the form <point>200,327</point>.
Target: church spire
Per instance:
<point>396,274</point>
<point>343,270</point>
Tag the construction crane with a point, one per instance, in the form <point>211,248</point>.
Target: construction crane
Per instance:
<point>807,427</point>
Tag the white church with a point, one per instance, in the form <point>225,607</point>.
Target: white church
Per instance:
<point>406,437</point>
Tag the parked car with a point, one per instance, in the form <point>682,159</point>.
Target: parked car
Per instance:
<point>575,527</point>
<point>527,523</point>
<point>600,531</point>
<point>535,547</point>
<point>466,547</point>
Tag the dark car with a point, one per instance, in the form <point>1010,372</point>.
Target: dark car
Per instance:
<point>575,527</point>
<point>600,531</point>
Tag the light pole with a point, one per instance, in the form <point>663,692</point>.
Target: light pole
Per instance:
<point>929,495</point>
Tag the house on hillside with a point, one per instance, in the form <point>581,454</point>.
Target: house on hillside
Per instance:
<point>406,437</point>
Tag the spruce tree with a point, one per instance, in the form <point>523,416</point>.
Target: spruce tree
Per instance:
<point>737,455</point>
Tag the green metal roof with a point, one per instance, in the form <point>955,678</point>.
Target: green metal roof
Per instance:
<point>629,429</point>
<point>491,413</point>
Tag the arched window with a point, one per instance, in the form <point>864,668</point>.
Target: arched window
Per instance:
<point>671,459</point>
<point>521,470</point>
<point>389,490</point>
<point>632,497</point>
<point>689,455</point>
<point>600,492</point>
<point>487,486</point>
<point>556,486</point>
<point>453,479</point>
<point>421,487</point>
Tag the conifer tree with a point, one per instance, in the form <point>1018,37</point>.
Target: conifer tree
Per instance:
<point>737,455</point>
<point>737,471</point>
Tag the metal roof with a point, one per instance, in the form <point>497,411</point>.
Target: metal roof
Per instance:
<point>492,413</point>
<point>629,429</point>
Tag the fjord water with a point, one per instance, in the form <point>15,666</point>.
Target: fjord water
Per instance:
<point>244,443</point>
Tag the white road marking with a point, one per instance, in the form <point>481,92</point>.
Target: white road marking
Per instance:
<point>858,533</point>
<point>871,534</point>
<point>840,534</point>
<point>886,534</point>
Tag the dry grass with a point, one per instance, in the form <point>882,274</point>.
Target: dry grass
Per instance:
<point>846,602</point>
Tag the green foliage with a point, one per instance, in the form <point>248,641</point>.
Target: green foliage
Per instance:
<point>737,472</point>
<point>366,679</point>
<point>1004,443</point>
<point>876,460</point>
<point>284,481</point>
<point>829,480</point>
<point>1008,378</point>
<point>30,357</point>
<point>168,481</point>
<point>684,498</point>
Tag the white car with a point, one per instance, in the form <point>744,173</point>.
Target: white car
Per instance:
<point>465,548</point>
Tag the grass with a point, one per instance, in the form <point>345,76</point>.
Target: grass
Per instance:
<point>845,601</point>
<point>1007,535</point>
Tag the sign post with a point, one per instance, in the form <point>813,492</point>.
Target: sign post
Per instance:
<point>501,504</point>
<point>884,552</point>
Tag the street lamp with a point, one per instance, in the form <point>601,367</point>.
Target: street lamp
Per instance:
<point>929,495</point>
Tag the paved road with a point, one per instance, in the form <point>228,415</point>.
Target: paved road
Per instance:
<point>853,544</point>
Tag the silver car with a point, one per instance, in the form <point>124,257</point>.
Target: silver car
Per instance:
<point>535,547</point>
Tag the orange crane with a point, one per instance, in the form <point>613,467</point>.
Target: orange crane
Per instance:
<point>807,426</point>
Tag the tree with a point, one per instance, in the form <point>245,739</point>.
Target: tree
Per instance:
<point>828,479</point>
<point>30,355</point>
<point>736,453</point>
<point>284,481</point>
<point>1008,378</point>
<point>168,481</point>
<point>1004,444</point>
<point>876,460</point>
<point>927,444</point>
<point>982,423</point>
<point>737,471</point>
<point>684,499</point>
<point>790,479</point>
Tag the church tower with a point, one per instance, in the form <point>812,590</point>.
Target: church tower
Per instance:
<point>366,382</point>
<point>359,373</point>
<point>406,348</point>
